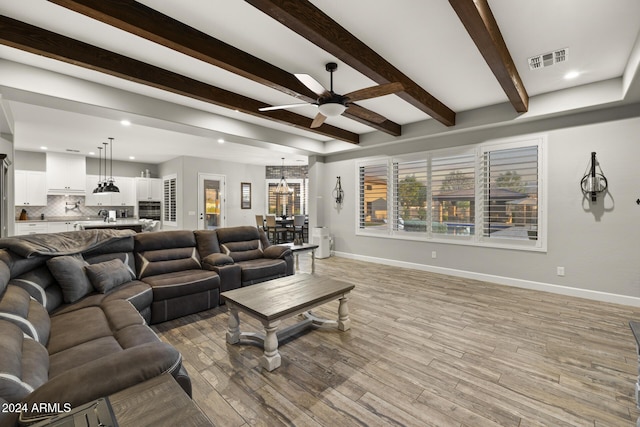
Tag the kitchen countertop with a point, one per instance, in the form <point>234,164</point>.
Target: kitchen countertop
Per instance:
<point>82,219</point>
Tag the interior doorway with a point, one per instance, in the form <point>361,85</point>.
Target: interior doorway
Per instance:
<point>211,201</point>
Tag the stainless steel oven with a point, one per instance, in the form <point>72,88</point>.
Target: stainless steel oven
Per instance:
<point>149,210</point>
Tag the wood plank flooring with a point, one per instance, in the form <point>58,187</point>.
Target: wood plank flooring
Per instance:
<point>423,350</point>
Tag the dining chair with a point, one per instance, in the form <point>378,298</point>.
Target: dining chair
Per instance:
<point>260,222</point>
<point>298,228</point>
<point>274,230</point>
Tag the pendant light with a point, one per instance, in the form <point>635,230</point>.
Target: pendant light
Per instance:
<point>283,186</point>
<point>110,186</point>
<point>98,189</point>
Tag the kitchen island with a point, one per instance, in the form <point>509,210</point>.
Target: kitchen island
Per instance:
<point>120,223</point>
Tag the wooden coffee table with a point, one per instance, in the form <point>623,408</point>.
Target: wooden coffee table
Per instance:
<point>275,300</point>
<point>304,247</point>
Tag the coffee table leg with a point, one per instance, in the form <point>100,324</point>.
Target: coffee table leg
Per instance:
<point>344,322</point>
<point>233,331</point>
<point>270,360</point>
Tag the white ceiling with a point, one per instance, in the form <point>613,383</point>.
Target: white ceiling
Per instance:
<point>423,39</point>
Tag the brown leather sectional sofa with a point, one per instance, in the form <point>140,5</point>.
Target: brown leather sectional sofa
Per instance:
<point>75,307</point>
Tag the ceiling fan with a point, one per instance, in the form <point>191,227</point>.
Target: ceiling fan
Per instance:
<point>332,104</point>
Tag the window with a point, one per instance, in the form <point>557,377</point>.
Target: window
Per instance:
<point>489,194</point>
<point>169,215</point>
<point>410,196</point>
<point>289,204</point>
<point>453,193</point>
<point>373,197</point>
<point>510,193</point>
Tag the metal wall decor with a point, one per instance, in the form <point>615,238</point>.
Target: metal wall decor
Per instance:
<point>593,182</point>
<point>338,194</point>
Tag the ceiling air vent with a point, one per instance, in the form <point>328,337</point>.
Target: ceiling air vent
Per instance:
<point>71,150</point>
<point>548,59</point>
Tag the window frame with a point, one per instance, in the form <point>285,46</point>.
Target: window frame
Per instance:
<point>475,238</point>
<point>303,194</point>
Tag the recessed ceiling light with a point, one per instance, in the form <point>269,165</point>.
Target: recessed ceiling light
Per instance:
<point>43,148</point>
<point>220,141</point>
<point>91,153</point>
<point>571,75</point>
<point>125,122</point>
<point>132,157</point>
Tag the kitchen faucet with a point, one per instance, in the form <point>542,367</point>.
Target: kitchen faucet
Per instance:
<point>104,214</point>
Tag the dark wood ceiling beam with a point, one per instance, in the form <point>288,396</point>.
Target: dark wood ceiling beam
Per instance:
<point>36,40</point>
<point>143,21</point>
<point>477,18</point>
<point>311,23</point>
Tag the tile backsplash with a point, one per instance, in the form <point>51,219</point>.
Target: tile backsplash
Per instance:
<point>67,206</point>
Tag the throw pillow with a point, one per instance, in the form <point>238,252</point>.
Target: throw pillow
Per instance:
<point>107,275</point>
<point>68,270</point>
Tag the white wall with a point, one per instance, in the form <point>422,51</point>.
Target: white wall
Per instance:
<point>187,169</point>
<point>598,247</point>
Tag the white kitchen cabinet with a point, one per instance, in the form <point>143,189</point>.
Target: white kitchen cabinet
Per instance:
<point>60,226</point>
<point>66,174</point>
<point>23,228</point>
<point>149,189</point>
<point>30,188</point>
<point>126,196</point>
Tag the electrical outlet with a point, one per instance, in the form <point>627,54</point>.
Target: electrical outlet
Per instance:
<point>434,255</point>
<point>560,271</point>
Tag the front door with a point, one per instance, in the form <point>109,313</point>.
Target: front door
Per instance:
<point>211,201</point>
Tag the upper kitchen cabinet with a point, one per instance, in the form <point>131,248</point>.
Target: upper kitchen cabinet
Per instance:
<point>30,188</point>
<point>149,189</point>
<point>66,174</point>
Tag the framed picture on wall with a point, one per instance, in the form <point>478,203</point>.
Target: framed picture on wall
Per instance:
<point>245,191</point>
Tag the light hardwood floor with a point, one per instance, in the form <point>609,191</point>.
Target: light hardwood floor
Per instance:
<point>423,350</point>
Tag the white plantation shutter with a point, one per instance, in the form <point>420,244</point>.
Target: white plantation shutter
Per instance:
<point>373,207</point>
<point>453,193</point>
<point>170,216</point>
<point>490,194</point>
<point>510,193</point>
<point>410,184</point>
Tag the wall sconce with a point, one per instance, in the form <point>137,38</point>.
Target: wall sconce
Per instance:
<point>338,194</point>
<point>593,182</point>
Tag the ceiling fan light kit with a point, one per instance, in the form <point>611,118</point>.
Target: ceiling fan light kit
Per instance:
<point>332,109</point>
<point>331,104</point>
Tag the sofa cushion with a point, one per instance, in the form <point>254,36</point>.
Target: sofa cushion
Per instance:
<point>206,242</point>
<point>17,306</point>
<point>181,283</point>
<point>69,272</point>
<point>162,261</point>
<point>242,251</point>
<point>240,243</point>
<point>259,270</point>
<point>42,286</point>
<point>108,275</point>
<point>73,328</point>
<point>127,259</point>
<point>5,275</point>
<point>24,364</point>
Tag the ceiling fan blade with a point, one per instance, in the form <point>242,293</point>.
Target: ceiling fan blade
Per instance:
<point>318,120</point>
<point>357,112</point>
<point>374,91</point>
<point>282,107</point>
<point>312,84</point>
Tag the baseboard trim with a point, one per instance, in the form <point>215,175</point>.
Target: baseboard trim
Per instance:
<point>501,280</point>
